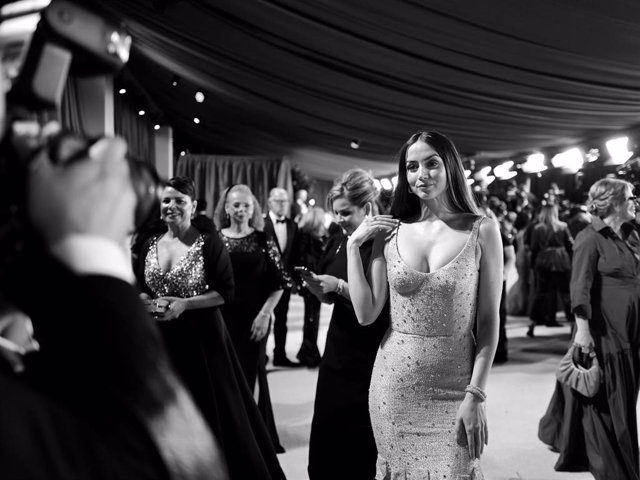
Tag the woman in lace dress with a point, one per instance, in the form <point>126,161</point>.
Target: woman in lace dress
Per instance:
<point>185,275</point>
<point>440,263</point>
<point>260,278</point>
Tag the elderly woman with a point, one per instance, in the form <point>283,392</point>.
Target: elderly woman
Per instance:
<point>185,275</point>
<point>260,278</point>
<point>599,434</point>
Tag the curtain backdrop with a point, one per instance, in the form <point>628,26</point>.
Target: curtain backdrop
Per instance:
<point>213,173</point>
<point>135,129</point>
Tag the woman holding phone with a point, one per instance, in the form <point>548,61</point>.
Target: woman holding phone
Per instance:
<point>341,432</point>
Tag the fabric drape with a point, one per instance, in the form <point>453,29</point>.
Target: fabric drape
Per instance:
<point>213,173</point>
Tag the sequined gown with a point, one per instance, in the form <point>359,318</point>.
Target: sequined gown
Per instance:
<point>202,353</point>
<point>423,365</point>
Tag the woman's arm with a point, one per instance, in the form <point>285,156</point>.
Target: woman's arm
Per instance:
<point>260,325</point>
<point>583,270</point>
<point>369,292</point>
<point>177,305</point>
<point>471,420</point>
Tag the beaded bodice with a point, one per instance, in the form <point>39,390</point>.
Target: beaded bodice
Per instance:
<point>185,279</point>
<point>438,303</point>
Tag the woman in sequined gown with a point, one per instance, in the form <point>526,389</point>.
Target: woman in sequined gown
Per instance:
<point>260,278</point>
<point>440,263</point>
<point>185,275</point>
<point>341,432</point>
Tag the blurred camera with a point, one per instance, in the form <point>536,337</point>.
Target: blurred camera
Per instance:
<point>42,43</point>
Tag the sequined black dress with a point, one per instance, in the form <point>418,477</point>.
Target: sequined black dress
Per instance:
<point>201,350</point>
<point>257,271</point>
<point>341,432</point>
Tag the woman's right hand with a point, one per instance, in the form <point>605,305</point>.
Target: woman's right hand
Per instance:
<point>584,339</point>
<point>370,227</point>
<point>147,301</point>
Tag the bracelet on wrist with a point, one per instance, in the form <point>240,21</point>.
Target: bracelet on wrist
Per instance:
<point>265,314</point>
<point>476,392</point>
<point>340,287</point>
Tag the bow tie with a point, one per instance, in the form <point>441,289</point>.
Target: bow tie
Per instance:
<point>281,220</point>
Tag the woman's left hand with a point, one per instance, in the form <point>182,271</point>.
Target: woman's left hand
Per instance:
<point>175,307</point>
<point>370,227</point>
<point>471,424</point>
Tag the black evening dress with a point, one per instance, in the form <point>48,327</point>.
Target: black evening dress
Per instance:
<point>341,433</point>
<point>257,271</point>
<point>599,434</point>
<point>202,353</point>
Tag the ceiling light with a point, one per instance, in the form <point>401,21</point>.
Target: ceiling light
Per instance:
<point>200,96</point>
<point>355,144</point>
<point>141,112</point>
<point>570,160</point>
<point>467,173</point>
<point>183,153</point>
<point>489,179</point>
<point>394,181</point>
<point>503,171</point>
<point>156,127</point>
<point>592,155</point>
<point>196,120</point>
<point>122,91</point>
<point>377,184</point>
<point>618,149</point>
<point>386,184</point>
<point>175,81</point>
<point>470,181</point>
<point>534,163</point>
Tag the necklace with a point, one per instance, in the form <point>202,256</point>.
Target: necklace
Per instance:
<point>341,243</point>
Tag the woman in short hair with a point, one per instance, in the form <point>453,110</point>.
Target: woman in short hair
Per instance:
<point>599,434</point>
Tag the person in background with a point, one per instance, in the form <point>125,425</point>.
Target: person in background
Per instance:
<point>260,278</point>
<point>300,205</point>
<point>551,281</point>
<point>341,445</point>
<point>186,276</point>
<point>99,399</point>
<point>201,220</point>
<point>578,219</point>
<point>284,230</point>
<point>312,236</point>
<point>599,434</point>
<point>440,264</point>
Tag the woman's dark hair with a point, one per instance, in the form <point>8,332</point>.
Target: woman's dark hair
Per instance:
<point>184,185</point>
<point>406,205</point>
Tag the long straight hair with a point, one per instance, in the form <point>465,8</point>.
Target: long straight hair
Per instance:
<point>459,197</point>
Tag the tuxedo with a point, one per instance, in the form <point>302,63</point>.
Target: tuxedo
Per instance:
<point>99,400</point>
<point>289,254</point>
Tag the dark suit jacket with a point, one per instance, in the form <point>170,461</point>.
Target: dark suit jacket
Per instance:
<point>99,400</point>
<point>289,255</point>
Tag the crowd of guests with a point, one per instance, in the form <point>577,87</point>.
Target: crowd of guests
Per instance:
<point>420,303</point>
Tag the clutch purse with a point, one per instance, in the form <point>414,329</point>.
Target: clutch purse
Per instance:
<point>583,378</point>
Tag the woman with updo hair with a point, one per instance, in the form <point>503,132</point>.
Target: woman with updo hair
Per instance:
<point>342,445</point>
<point>599,434</point>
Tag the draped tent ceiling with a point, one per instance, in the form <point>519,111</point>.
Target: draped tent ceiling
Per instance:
<point>302,78</point>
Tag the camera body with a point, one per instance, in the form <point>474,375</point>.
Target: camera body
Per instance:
<point>68,39</point>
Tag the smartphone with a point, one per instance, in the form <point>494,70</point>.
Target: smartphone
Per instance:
<point>302,270</point>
